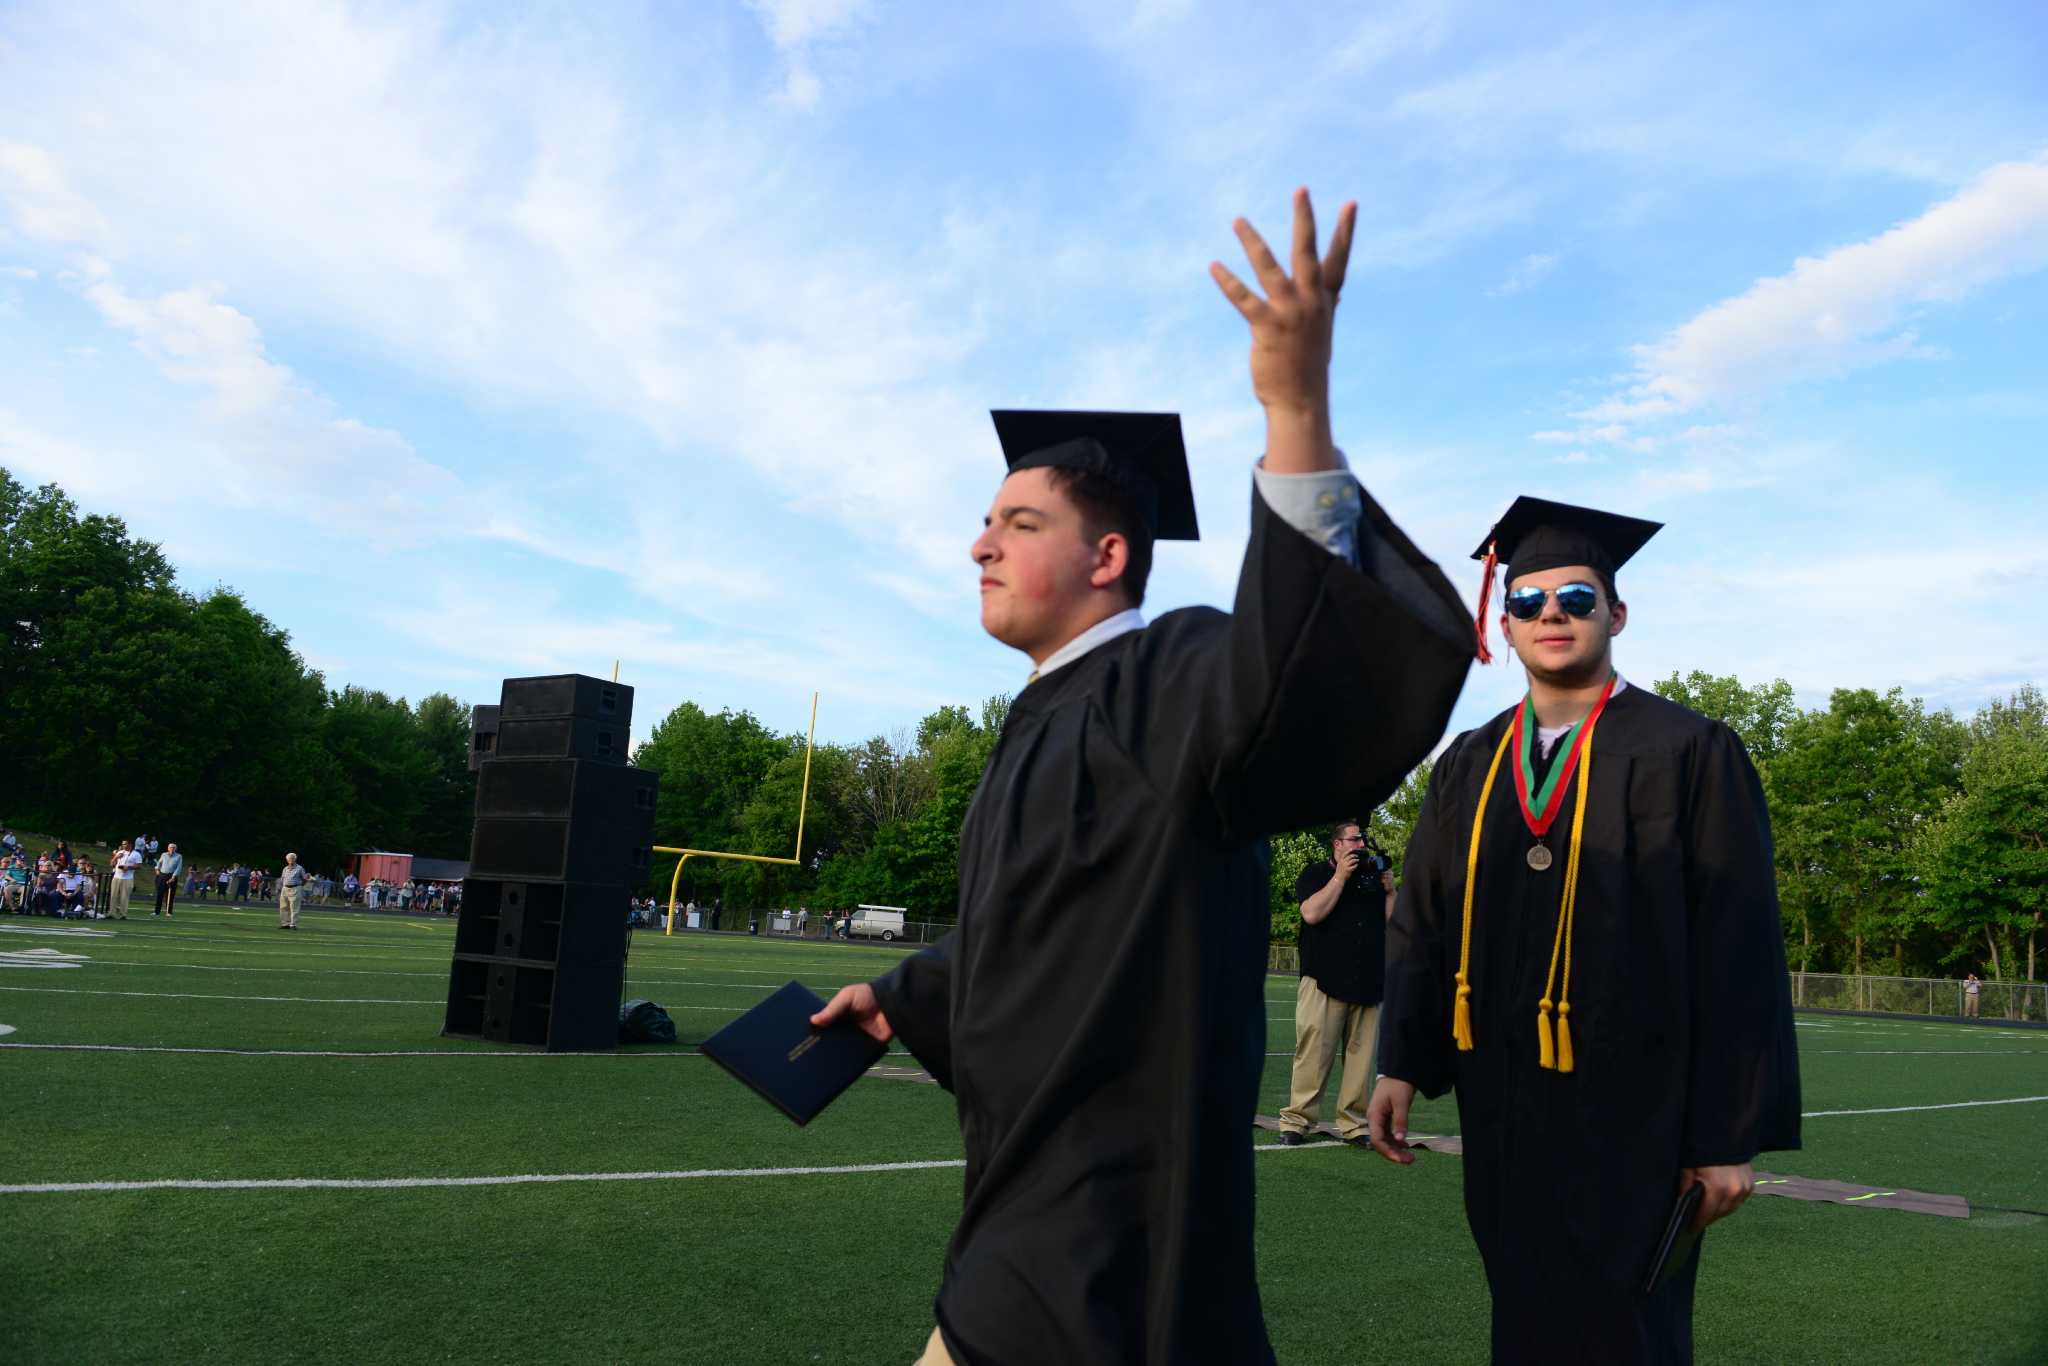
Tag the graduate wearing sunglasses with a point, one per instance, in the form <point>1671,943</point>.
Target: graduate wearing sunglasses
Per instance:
<point>1587,949</point>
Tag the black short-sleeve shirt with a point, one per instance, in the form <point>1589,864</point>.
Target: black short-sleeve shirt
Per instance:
<point>1345,952</point>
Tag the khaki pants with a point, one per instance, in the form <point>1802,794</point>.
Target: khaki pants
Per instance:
<point>288,906</point>
<point>935,1353</point>
<point>1319,1023</point>
<point>118,891</point>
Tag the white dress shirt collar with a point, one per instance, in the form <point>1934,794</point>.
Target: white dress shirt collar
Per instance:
<point>1108,629</point>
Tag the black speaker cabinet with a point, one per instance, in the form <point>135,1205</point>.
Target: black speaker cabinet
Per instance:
<point>483,735</point>
<point>568,1007</point>
<point>563,737</point>
<point>565,695</point>
<point>563,820</point>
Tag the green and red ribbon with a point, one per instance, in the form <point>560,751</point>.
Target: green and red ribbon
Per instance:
<point>1541,803</point>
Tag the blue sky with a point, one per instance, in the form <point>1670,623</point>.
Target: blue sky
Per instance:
<point>470,341</point>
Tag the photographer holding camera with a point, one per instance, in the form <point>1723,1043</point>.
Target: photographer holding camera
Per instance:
<point>1346,901</point>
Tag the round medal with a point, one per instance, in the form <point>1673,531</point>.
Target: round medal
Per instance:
<point>1539,857</point>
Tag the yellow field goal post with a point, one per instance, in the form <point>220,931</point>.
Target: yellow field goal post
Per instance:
<point>794,860</point>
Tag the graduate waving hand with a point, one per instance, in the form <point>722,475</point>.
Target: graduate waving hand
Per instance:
<point>1291,331</point>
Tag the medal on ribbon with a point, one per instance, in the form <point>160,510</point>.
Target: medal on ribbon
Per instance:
<point>1540,802</point>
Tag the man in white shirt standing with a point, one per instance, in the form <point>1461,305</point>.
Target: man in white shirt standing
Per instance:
<point>126,861</point>
<point>168,865</point>
<point>289,885</point>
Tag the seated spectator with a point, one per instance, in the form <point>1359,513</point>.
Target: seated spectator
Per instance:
<point>13,884</point>
<point>45,899</point>
<point>9,845</point>
<point>73,890</point>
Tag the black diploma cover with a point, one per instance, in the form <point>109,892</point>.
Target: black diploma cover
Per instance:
<point>1675,1248</point>
<point>797,1069</point>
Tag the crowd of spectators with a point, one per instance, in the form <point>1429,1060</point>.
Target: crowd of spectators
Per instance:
<point>54,882</point>
<point>429,898</point>
<point>50,883</point>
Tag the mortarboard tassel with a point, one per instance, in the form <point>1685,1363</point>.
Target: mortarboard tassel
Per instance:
<point>1485,597</point>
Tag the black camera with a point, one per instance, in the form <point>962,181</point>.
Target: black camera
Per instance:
<point>1373,861</point>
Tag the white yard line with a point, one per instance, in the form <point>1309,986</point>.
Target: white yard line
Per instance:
<point>1907,1109</point>
<point>1924,1053</point>
<point>197,996</point>
<point>344,1053</point>
<point>292,1000</point>
<point>532,1179</point>
<point>632,979</point>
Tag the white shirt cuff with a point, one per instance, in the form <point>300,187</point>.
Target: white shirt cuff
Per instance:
<point>1323,505</point>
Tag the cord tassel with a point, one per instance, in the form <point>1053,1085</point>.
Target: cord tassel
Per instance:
<point>1564,1036</point>
<point>1461,1016</point>
<point>1545,1058</point>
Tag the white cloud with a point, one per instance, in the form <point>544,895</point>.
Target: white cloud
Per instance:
<point>1529,272</point>
<point>1607,434</point>
<point>1838,311</point>
<point>267,441</point>
<point>18,272</point>
<point>41,200</point>
<point>795,27</point>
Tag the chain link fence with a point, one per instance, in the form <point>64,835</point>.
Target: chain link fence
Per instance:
<point>1929,996</point>
<point>1935,996</point>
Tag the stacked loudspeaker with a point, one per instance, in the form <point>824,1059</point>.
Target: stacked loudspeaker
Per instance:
<point>564,829</point>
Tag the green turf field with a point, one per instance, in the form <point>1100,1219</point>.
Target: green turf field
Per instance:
<point>703,1262</point>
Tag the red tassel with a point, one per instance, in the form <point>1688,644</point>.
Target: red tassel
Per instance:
<point>1485,597</point>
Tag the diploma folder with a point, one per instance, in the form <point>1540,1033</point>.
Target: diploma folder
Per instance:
<point>1675,1248</point>
<point>797,1069</point>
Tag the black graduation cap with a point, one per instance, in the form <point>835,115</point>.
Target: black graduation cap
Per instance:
<point>1536,534</point>
<point>1141,453</point>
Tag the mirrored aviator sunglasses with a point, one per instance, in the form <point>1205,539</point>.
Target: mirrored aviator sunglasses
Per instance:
<point>1577,600</point>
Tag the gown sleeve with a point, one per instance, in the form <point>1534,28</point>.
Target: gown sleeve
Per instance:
<point>916,996</point>
<point>1317,643</point>
<point>1743,1074</point>
<point>1415,1022</point>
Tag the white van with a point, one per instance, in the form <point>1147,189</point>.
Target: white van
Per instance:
<point>876,922</point>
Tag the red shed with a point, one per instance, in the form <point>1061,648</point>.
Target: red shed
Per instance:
<point>380,863</point>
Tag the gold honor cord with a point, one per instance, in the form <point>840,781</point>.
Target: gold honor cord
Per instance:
<point>1461,1016</point>
<point>1562,1061</point>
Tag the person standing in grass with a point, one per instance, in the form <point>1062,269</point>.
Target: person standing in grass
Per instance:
<point>1587,948</point>
<point>1971,990</point>
<point>122,884</point>
<point>290,884</point>
<point>1099,1011</point>
<point>169,864</point>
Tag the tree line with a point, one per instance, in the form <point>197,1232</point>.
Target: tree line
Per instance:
<point>128,705</point>
<point>1909,841</point>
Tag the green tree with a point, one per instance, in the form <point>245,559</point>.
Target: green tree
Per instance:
<point>1758,716</point>
<point>711,767</point>
<point>1849,789</point>
<point>383,769</point>
<point>1984,858</point>
<point>448,803</point>
<point>1291,853</point>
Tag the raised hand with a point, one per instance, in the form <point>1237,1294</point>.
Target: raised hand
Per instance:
<point>1291,329</point>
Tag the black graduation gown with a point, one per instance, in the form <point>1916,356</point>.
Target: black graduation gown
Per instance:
<point>1099,1013</point>
<point>1681,1018</point>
